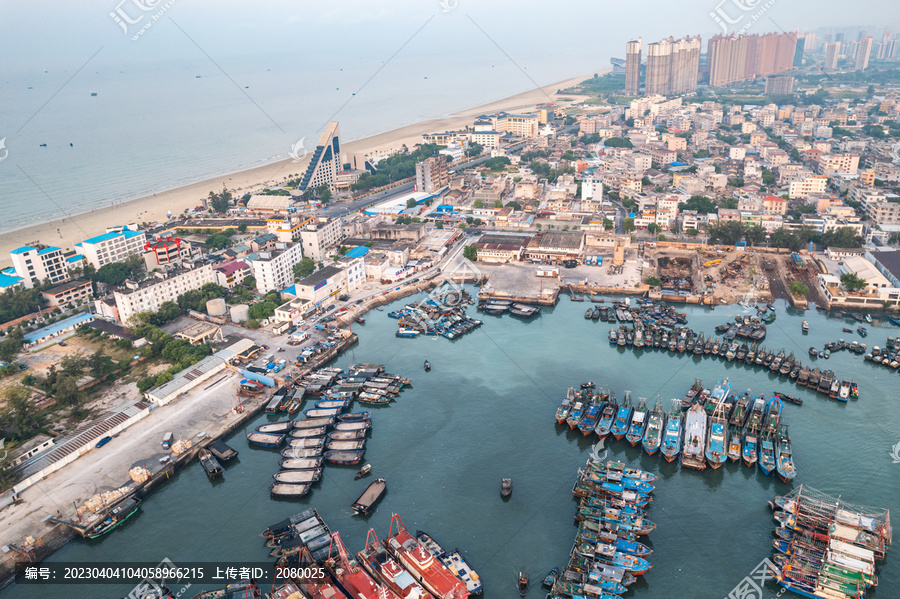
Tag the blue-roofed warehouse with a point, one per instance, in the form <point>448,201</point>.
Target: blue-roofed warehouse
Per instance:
<point>57,329</point>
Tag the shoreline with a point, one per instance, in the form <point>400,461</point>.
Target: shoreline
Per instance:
<point>66,232</point>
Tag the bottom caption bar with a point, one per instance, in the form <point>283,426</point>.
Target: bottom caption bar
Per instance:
<point>166,572</point>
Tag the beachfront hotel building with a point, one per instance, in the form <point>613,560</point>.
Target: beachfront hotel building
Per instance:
<point>111,247</point>
<point>36,263</point>
<point>326,160</point>
<point>164,286</point>
<point>71,292</point>
<point>274,270</point>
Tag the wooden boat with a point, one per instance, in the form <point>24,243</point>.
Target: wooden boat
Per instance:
<point>576,414</point>
<point>766,453</point>
<point>421,564</point>
<point>671,441</point>
<point>296,477</point>
<point>210,464</point>
<point>305,433</point>
<point>222,451</point>
<point>265,439</point>
<point>300,453</point>
<point>364,471</point>
<point>522,584</point>
<point>804,326</point>
<point>623,418</point>
<point>311,463</point>
<point>591,417</point>
<point>789,398</point>
<point>352,426</point>
<point>550,578</point>
<point>427,365</point>
<point>276,427</point>
<point>346,458</point>
<point>655,426</point>
<point>692,393</point>
<point>290,491</point>
<point>784,459</point>
<point>562,412</point>
<point>505,487</point>
<point>345,445</point>
<point>323,412</point>
<point>347,435</point>
<point>694,438</point>
<point>377,562</point>
<point>370,497</point>
<point>306,443</point>
<point>313,422</point>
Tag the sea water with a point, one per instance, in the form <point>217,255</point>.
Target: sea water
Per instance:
<point>486,410</point>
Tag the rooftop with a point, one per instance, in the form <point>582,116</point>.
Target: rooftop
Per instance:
<point>58,326</point>
<point>357,252</point>
<point>22,250</point>
<point>320,276</point>
<point>65,287</point>
<point>8,281</point>
<point>232,267</point>
<point>127,234</point>
<point>890,260</point>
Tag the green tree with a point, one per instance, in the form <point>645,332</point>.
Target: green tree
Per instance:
<point>608,224</point>
<point>797,288</point>
<point>478,204</point>
<point>219,202</point>
<point>242,228</point>
<point>653,281</point>
<point>701,204</point>
<point>653,228</point>
<point>470,252</point>
<point>628,224</point>
<point>474,149</point>
<point>12,345</point>
<point>324,193</point>
<point>304,268</point>
<point>692,232</point>
<point>113,274</point>
<point>754,235</point>
<point>852,282</point>
<point>411,203</point>
<point>249,281</point>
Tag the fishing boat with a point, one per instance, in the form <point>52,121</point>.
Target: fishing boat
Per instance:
<point>789,398</point>
<point>265,439</point>
<point>576,413</point>
<point>562,412</point>
<point>344,458</point>
<point>113,517</point>
<point>379,564</point>
<point>427,365</point>
<point>623,418</point>
<point>424,567</point>
<point>671,441</point>
<point>717,439</point>
<point>347,435</point>
<point>210,464</point>
<point>804,326</point>
<point>766,453</point>
<point>276,427</point>
<point>721,391</point>
<point>736,426</point>
<point>607,415</point>
<point>453,561</point>
<point>550,578</point>
<point>306,443</point>
<point>364,471</point>
<point>638,423</point>
<point>844,391</point>
<point>655,427</point>
<point>591,417</point>
<point>694,438</point>
<point>308,463</point>
<point>784,459</point>
<point>505,487</point>
<point>750,448</point>
<point>692,393</point>
<point>370,497</point>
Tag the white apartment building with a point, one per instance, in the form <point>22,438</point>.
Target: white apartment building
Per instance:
<point>319,237</point>
<point>166,286</point>
<point>355,267</point>
<point>274,270</point>
<point>592,188</point>
<point>802,188</point>
<point>34,264</point>
<point>111,247</point>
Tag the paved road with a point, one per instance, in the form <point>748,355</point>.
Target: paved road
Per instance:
<point>344,208</point>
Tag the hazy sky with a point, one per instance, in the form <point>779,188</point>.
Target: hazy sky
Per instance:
<point>65,34</point>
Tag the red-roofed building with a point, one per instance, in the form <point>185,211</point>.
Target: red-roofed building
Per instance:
<point>233,273</point>
<point>774,205</point>
<point>168,250</point>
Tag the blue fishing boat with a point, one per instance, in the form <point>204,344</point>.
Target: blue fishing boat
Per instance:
<point>406,332</point>
<point>632,547</point>
<point>607,415</point>
<point>750,448</point>
<point>716,441</point>
<point>591,417</point>
<point>671,441</point>
<point>623,418</point>
<point>721,391</point>
<point>577,412</point>
<point>784,459</point>
<point>638,423</point>
<point>608,554</point>
<point>656,424</point>
<point>773,415</point>
<point>766,453</point>
<point>895,320</point>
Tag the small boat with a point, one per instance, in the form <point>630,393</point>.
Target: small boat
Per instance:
<point>505,487</point>
<point>276,427</point>
<point>360,320</point>
<point>550,578</point>
<point>290,491</point>
<point>346,458</point>
<point>789,398</point>
<point>352,445</point>
<point>222,451</point>
<point>869,318</point>
<point>804,326</point>
<point>210,464</point>
<point>364,471</point>
<point>862,331</point>
<point>427,365</point>
<point>523,583</point>
<point>265,439</point>
<point>813,352</point>
<point>307,463</point>
<point>113,517</point>
<point>297,477</point>
<point>370,497</point>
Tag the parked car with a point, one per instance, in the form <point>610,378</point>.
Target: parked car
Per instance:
<point>103,441</point>
<point>23,367</point>
<point>61,344</point>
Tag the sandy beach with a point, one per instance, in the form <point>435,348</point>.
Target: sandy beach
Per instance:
<point>66,232</point>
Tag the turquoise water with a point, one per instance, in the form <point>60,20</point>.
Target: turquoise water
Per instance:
<point>486,411</point>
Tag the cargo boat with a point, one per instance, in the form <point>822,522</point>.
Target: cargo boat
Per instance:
<point>351,577</point>
<point>421,564</point>
<point>210,464</point>
<point>222,451</point>
<point>114,516</point>
<point>345,458</point>
<point>370,497</point>
<point>268,440</point>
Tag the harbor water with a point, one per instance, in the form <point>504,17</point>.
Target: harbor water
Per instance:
<point>486,411</point>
